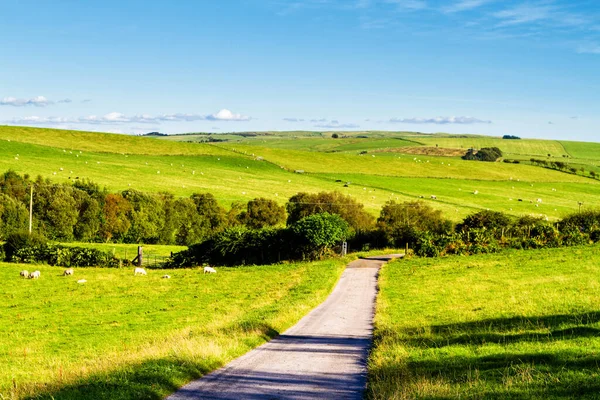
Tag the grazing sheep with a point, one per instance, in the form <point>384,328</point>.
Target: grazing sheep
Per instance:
<point>69,271</point>
<point>35,275</point>
<point>139,271</point>
<point>81,281</point>
<point>24,274</point>
<point>166,277</point>
<point>209,270</point>
<point>433,197</point>
<point>476,192</point>
<point>539,200</point>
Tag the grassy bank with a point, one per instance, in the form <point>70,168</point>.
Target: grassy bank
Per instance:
<point>124,337</point>
<point>519,325</point>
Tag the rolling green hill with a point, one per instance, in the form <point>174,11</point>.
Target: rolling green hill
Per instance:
<point>366,165</point>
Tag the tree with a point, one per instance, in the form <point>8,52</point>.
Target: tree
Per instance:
<point>335,136</point>
<point>489,154</point>
<point>115,217</point>
<point>55,211</point>
<point>261,213</point>
<point>13,216</point>
<point>319,232</point>
<point>402,223</point>
<point>304,204</point>
<point>146,216</point>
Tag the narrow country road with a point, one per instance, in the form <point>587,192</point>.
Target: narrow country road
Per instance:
<point>323,356</point>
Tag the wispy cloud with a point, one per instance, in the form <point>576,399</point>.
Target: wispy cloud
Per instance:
<point>409,4</point>
<point>465,5</point>
<point>37,101</point>
<point>116,118</point>
<point>293,119</point>
<point>590,48</point>
<point>439,120</point>
<point>335,124</point>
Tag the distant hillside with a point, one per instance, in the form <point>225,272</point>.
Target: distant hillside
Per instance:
<point>373,167</point>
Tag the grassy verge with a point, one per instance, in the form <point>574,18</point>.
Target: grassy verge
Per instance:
<point>519,325</point>
<point>124,337</point>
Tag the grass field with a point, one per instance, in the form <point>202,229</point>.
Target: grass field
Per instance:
<point>124,337</point>
<point>518,325</point>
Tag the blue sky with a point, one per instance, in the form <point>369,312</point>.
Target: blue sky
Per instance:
<point>529,68</point>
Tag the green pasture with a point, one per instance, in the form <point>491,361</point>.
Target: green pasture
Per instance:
<point>233,177</point>
<point>238,171</point>
<point>517,325</point>
<point>101,142</point>
<point>456,198</point>
<point>531,147</point>
<point>584,150</point>
<point>120,336</point>
<point>394,164</point>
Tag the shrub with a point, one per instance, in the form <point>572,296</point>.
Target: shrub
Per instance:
<point>21,246</point>
<point>319,232</point>
<point>495,222</point>
<point>584,221</point>
<point>489,154</point>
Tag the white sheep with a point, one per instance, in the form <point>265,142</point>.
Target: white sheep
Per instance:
<point>81,281</point>
<point>209,270</point>
<point>476,192</point>
<point>433,197</point>
<point>166,277</point>
<point>139,271</point>
<point>24,273</point>
<point>68,272</point>
<point>34,275</point>
<point>539,200</point>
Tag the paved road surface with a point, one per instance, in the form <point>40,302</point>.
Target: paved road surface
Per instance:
<point>323,356</point>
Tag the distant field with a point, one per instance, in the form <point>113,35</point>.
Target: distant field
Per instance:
<point>519,325</point>
<point>102,142</point>
<point>522,146</point>
<point>585,150</point>
<point>402,165</point>
<point>264,165</point>
<point>124,337</point>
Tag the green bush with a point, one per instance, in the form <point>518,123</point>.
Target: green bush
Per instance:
<point>21,246</point>
<point>317,233</point>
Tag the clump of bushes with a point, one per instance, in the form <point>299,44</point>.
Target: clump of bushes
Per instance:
<point>489,154</point>
<point>24,247</point>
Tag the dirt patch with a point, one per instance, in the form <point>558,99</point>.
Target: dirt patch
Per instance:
<point>425,151</point>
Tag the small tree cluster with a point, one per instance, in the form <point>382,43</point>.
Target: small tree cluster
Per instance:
<point>489,154</point>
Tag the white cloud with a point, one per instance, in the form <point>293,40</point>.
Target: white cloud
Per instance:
<point>226,115</point>
<point>115,118</point>
<point>334,124</point>
<point>439,120</point>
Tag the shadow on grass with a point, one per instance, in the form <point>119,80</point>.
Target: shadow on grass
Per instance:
<point>503,331</point>
<point>565,369</point>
